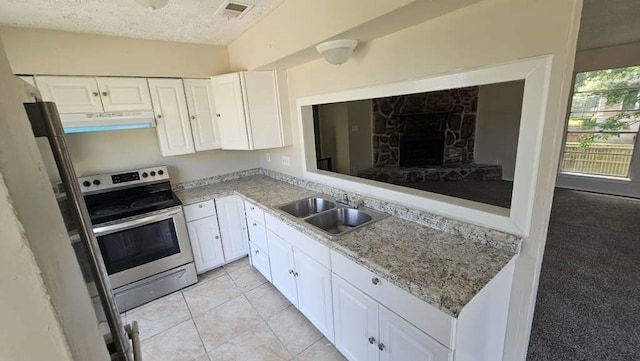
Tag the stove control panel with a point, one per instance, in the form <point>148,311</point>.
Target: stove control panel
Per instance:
<point>116,180</point>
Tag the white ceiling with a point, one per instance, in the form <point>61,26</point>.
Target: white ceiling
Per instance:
<point>181,20</point>
<point>609,22</point>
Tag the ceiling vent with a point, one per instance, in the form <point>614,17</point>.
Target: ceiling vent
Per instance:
<point>233,10</point>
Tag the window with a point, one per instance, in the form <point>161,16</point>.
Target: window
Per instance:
<point>603,123</point>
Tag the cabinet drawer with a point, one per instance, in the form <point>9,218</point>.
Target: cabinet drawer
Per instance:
<point>254,212</point>
<point>299,240</point>
<point>427,318</point>
<point>260,260</point>
<point>199,210</point>
<point>258,234</point>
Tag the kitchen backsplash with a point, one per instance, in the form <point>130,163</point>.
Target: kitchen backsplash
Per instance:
<point>469,231</point>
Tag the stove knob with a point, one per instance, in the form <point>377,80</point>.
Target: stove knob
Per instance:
<point>160,172</point>
<point>153,173</point>
<point>144,175</point>
<point>86,183</point>
<point>96,182</point>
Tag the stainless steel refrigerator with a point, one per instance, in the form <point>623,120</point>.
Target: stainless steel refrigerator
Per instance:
<point>121,341</point>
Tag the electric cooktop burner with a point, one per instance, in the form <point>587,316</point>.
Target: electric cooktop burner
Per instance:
<point>114,196</point>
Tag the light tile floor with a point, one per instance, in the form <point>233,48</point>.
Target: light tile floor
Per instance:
<point>231,314</point>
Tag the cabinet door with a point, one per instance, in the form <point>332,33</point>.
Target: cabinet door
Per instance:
<point>232,124</point>
<point>260,260</point>
<point>281,260</point>
<point>124,94</point>
<point>263,109</point>
<point>257,233</point>
<point>313,282</point>
<point>233,227</point>
<point>170,107</point>
<point>356,322</point>
<point>399,340</point>
<point>205,243</point>
<point>71,94</point>
<point>204,124</point>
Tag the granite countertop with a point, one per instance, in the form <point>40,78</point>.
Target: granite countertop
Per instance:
<point>443,269</point>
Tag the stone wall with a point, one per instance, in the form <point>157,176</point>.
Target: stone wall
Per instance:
<point>454,111</point>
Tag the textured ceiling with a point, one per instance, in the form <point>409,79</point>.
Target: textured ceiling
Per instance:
<point>181,20</point>
<point>609,22</point>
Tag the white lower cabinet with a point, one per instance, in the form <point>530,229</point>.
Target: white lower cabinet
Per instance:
<point>217,237</point>
<point>233,227</point>
<point>367,331</point>
<point>399,340</point>
<point>313,283</point>
<point>260,260</point>
<point>356,322</point>
<point>205,243</point>
<point>303,281</point>
<point>282,273</point>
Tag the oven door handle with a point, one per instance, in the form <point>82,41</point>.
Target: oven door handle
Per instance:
<point>101,231</point>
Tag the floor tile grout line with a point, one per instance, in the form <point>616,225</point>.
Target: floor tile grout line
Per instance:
<point>194,324</point>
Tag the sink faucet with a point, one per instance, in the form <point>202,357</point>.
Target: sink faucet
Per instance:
<point>349,203</point>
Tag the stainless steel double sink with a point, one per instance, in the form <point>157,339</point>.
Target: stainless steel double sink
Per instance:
<point>331,217</point>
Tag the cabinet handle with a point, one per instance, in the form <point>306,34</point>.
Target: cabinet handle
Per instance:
<point>372,340</point>
<point>217,115</point>
<point>375,280</point>
<point>381,346</point>
<point>295,273</point>
<point>255,224</point>
<point>252,208</point>
<point>95,94</point>
<point>290,271</point>
<point>104,94</point>
<point>200,206</point>
<point>217,237</point>
<point>193,117</point>
<point>159,116</point>
<point>256,251</point>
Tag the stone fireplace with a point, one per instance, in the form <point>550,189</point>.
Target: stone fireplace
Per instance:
<point>450,114</point>
<point>427,137</point>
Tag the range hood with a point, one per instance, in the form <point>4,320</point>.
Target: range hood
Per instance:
<point>96,122</point>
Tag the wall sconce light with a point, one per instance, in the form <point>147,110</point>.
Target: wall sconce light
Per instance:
<point>337,51</point>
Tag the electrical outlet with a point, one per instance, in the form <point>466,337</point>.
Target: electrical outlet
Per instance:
<point>268,157</point>
<point>355,128</point>
<point>285,160</point>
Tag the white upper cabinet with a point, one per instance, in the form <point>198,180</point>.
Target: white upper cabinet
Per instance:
<point>227,93</point>
<point>95,95</point>
<point>170,108</point>
<point>124,94</point>
<point>71,94</point>
<point>252,109</point>
<point>202,112</point>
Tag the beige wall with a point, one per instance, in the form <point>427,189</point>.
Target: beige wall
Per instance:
<point>37,310</point>
<point>37,51</point>
<point>489,32</point>
<point>296,25</point>
<point>498,124</point>
<point>128,149</point>
<point>34,51</point>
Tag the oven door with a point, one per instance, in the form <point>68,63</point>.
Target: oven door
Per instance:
<point>144,246</point>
